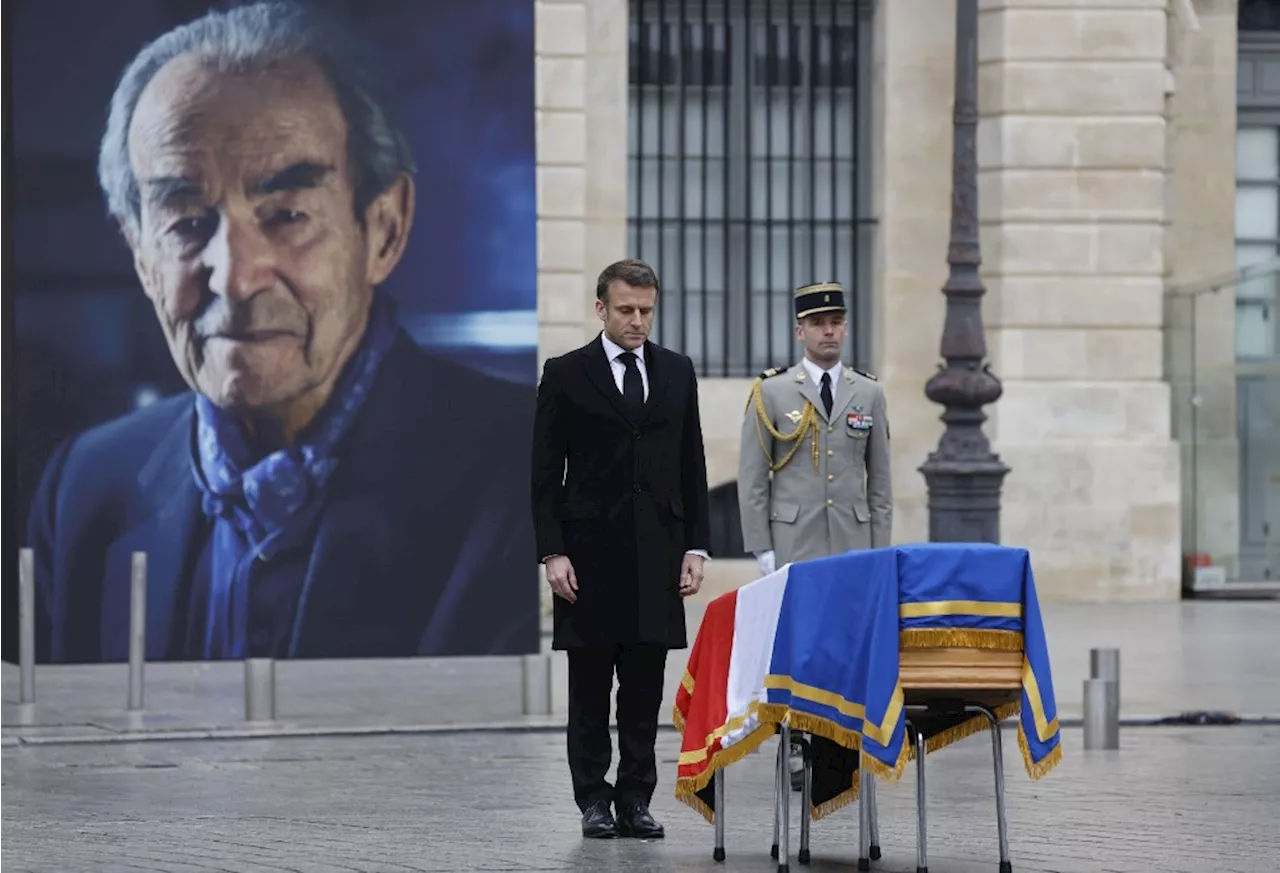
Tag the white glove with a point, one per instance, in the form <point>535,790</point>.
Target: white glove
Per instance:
<point>766,562</point>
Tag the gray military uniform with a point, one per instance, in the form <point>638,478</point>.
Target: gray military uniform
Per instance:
<point>814,507</point>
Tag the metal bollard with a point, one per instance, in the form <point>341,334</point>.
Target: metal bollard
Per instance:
<point>535,680</point>
<point>1105,664</point>
<point>260,689</point>
<point>137,629</point>
<point>27,625</point>
<point>1101,714</point>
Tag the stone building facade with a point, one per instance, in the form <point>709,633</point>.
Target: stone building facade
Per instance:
<point>1107,177</point>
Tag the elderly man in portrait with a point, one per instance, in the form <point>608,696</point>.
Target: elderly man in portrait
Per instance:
<point>326,489</point>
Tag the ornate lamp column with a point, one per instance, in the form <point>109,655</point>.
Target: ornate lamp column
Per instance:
<point>964,476</point>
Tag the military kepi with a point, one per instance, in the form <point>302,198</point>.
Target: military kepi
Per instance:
<point>819,297</point>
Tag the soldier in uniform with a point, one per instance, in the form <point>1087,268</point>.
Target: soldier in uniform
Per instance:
<point>813,465</point>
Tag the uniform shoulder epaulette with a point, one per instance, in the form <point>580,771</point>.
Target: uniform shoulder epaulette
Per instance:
<point>865,374</point>
<point>773,371</point>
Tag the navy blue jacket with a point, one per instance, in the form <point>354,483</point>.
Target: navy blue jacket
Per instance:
<point>423,546</point>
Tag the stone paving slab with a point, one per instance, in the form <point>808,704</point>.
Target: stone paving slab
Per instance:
<point>1181,800</point>
<point>1193,655</point>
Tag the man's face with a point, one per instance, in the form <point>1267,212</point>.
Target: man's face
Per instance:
<point>627,313</point>
<point>248,244</point>
<point>822,335</point>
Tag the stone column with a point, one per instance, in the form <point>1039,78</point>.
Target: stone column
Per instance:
<point>606,158</point>
<point>561,108</point>
<point>1199,246</point>
<point>581,110</point>
<point>911,172</point>
<point>1073,154</point>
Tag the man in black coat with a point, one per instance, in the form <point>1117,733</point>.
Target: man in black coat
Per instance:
<point>620,511</point>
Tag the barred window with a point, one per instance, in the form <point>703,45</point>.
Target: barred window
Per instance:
<point>747,176</point>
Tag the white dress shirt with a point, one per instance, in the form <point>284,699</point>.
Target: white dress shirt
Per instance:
<point>612,350</point>
<point>815,373</point>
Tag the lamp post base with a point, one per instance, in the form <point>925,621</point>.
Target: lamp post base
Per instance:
<point>964,498</point>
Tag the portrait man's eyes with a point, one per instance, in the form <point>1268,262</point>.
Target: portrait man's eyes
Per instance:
<point>284,219</point>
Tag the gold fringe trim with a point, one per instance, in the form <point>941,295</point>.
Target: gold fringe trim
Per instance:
<point>960,638</point>
<point>687,787</point>
<point>696,803</point>
<point>1038,770</point>
<point>885,772</point>
<point>770,716</point>
<point>966,728</point>
<point>839,802</point>
<point>773,714</point>
<point>821,727</point>
<point>677,718</point>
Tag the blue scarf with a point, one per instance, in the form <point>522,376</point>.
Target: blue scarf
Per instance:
<point>272,498</point>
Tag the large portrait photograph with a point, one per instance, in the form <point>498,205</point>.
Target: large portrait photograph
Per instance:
<point>270,293</point>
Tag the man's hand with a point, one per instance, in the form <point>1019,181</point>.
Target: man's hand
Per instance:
<point>562,578</point>
<point>691,575</point>
<point>767,562</point>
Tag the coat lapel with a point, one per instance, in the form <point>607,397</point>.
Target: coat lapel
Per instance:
<point>659,381</point>
<point>601,375</point>
<point>848,392</point>
<point>810,391</point>
<point>166,535</point>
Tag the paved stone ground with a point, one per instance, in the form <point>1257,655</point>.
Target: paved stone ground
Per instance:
<point>1174,657</point>
<point>1172,799</point>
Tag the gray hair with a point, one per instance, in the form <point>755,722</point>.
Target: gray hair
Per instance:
<point>252,37</point>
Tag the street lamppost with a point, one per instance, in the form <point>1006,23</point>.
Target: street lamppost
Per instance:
<point>963,475</point>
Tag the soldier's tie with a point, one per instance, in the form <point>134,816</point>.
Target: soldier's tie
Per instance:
<point>632,385</point>
<point>826,393</point>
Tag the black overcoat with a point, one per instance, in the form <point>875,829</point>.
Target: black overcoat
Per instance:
<point>623,494</point>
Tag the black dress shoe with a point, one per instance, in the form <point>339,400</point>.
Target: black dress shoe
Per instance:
<point>598,823</point>
<point>634,820</point>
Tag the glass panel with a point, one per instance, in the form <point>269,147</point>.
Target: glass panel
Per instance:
<point>1263,287</point>
<point>704,249</point>
<point>1257,153</point>
<point>1257,213</point>
<point>1255,329</point>
<point>705,356</point>
<point>780,352</point>
<point>704,121</point>
<point>1258,405</point>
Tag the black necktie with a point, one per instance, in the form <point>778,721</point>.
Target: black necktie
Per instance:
<point>632,385</point>
<point>826,392</point>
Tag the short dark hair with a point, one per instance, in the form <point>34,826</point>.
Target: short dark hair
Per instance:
<point>635,273</point>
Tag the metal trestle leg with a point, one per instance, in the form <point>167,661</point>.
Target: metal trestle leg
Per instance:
<point>806,807</point>
<point>718,854</point>
<point>784,802</point>
<point>922,829</point>
<point>864,817</point>
<point>997,757</point>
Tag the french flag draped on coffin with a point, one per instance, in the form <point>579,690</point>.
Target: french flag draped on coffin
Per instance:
<point>816,645</point>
